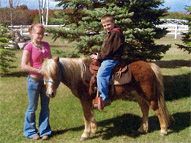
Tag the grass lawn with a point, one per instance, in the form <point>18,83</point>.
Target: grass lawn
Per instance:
<point>117,122</point>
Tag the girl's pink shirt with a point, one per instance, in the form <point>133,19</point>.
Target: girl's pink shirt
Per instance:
<point>37,55</point>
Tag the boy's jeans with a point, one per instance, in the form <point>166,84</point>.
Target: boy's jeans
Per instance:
<point>103,77</point>
<point>36,89</point>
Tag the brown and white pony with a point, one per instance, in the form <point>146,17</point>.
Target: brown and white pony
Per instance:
<point>147,82</point>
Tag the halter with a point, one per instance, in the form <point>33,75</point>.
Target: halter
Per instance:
<point>48,81</point>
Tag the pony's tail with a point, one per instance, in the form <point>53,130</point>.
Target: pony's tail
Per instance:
<point>160,94</point>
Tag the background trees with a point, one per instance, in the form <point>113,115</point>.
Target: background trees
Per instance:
<point>187,36</point>
<point>138,19</point>
<point>20,16</point>
<point>7,56</point>
<point>176,15</point>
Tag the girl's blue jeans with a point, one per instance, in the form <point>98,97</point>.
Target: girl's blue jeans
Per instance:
<point>104,76</point>
<point>36,89</point>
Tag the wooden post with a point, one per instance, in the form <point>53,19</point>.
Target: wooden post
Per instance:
<point>43,11</point>
<point>176,31</point>
<point>21,30</point>
<point>47,11</point>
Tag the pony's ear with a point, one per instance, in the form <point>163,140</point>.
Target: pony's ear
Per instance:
<point>56,59</point>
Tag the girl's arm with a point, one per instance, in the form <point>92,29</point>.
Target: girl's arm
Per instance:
<point>25,64</point>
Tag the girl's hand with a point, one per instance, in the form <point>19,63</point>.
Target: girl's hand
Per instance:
<point>40,71</point>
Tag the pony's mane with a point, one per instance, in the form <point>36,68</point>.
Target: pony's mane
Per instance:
<point>74,68</point>
<point>49,67</point>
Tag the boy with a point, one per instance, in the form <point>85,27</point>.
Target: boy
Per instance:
<point>109,57</point>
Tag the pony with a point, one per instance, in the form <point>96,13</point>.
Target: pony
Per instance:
<point>147,81</point>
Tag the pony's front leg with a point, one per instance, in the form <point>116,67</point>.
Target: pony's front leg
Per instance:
<point>89,120</point>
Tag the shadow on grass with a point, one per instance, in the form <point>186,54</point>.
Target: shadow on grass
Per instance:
<point>173,63</point>
<point>127,125</point>
<point>177,86</point>
<point>182,121</point>
<point>16,74</point>
<point>121,125</point>
<point>62,131</point>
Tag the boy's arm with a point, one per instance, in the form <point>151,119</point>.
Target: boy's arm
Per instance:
<point>112,43</point>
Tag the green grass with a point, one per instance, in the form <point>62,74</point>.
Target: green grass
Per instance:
<point>116,123</point>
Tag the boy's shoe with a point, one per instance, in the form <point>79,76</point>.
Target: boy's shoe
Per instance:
<point>95,102</point>
<point>36,137</point>
<point>45,137</point>
<point>100,104</point>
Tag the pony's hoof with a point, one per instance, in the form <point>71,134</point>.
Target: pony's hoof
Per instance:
<point>83,138</point>
<point>93,132</point>
<point>163,132</point>
<point>141,131</point>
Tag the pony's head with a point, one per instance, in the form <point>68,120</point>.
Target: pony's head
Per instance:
<point>50,71</point>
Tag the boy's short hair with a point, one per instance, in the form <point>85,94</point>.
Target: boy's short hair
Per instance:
<point>107,17</point>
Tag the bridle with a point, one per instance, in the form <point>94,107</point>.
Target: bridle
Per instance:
<point>49,81</point>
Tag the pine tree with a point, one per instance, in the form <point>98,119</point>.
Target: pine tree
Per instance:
<point>137,18</point>
<point>7,56</point>
<point>187,36</point>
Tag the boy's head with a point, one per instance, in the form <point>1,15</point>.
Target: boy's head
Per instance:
<point>108,22</point>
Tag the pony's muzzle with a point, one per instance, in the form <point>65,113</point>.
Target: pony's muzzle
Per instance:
<point>50,95</point>
<point>50,92</point>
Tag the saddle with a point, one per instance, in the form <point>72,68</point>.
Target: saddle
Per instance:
<point>121,75</point>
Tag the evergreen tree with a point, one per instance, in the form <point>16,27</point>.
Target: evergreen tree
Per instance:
<point>187,36</point>
<point>137,18</point>
<point>7,56</point>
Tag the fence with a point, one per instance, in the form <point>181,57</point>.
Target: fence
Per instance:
<point>23,29</point>
<point>173,28</point>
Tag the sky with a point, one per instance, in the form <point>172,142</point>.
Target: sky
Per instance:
<point>31,4</point>
<point>177,5</point>
<point>174,5</point>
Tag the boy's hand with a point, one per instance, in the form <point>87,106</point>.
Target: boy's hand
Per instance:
<point>94,56</point>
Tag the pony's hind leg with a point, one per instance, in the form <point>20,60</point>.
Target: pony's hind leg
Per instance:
<point>159,105</point>
<point>163,125</point>
<point>145,111</point>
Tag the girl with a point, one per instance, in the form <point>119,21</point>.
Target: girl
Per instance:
<point>33,55</point>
